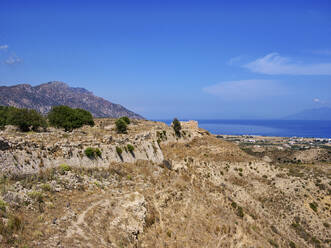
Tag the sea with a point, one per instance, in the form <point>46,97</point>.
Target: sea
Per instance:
<point>280,128</point>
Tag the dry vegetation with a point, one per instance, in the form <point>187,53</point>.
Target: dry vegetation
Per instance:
<point>205,193</point>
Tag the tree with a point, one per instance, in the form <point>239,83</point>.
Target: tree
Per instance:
<point>176,126</point>
<point>121,126</point>
<point>126,120</point>
<point>68,118</point>
<point>4,112</point>
<point>26,119</point>
<point>84,116</point>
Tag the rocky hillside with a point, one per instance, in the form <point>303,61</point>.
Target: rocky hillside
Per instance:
<point>192,191</point>
<point>44,96</point>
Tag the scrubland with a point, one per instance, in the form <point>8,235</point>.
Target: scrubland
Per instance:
<point>167,191</point>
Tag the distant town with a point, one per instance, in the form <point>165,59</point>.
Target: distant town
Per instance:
<point>280,143</point>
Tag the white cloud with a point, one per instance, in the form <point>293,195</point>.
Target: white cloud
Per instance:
<point>3,47</point>
<point>316,100</point>
<point>274,64</point>
<point>245,89</point>
<point>13,60</point>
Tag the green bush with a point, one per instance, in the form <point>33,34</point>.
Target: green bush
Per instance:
<point>46,187</point>
<point>89,152</point>
<point>92,152</point>
<point>97,152</point>
<point>2,206</point>
<point>4,115</point>
<point>130,148</point>
<point>126,119</point>
<point>69,118</point>
<point>121,126</point>
<point>24,119</point>
<point>64,168</point>
<point>313,206</point>
<point>176,126</point>
<point>240,212</point>
<point>119,150</point>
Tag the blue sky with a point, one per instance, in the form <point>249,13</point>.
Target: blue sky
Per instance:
<point>190,59</point>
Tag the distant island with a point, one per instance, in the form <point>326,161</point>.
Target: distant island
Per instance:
<point>42,97</point>
<point>311,114</point>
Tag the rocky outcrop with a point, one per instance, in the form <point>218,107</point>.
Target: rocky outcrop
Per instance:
<point>44,96</point>
<point>29,153</point>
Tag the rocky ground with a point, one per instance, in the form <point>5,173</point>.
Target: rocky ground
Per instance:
<point>189,191</point>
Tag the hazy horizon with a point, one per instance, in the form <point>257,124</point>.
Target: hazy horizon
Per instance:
<point>189,59</point>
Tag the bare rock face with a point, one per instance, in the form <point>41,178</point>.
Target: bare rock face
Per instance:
<point>44,96</point>
<point>23,154</point>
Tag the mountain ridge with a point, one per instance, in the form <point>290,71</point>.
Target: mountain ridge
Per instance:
<point>42,97</point>
<point>323,113</point>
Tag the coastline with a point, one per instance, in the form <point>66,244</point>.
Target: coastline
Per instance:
<point>267,128</point>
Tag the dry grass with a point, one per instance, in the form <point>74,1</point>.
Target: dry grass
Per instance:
<point>206,204</point>
<point>206,148</point>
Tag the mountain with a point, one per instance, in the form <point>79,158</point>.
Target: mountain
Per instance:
<point>312,114</point>
<point>44,96</point>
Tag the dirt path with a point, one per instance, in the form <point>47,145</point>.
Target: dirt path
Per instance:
<point>76,226</point>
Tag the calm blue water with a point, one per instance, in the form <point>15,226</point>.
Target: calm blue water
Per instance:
<point>282,128</point>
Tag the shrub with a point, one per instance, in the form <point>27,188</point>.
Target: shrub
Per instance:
<point>121,126</point>
<point>92,152</point>
<point>36,195</point>
<point>313,206</point>
<point>89,152</point>
<point>240,212</point>
<point>126,119</point>
<point>4,115</point>
<point>64,168</point>
<point>130,148</point>
<point>46,187</point>
<point>97,152</point>
<point>68,118</point>
<point>119,151</point>
<point>84,117</point>
<point>2,206</point>
<point>176,126</point>
<point>24,119</point>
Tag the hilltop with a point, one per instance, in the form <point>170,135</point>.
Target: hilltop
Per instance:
<point>192,190</point>
<point>44,96</point>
